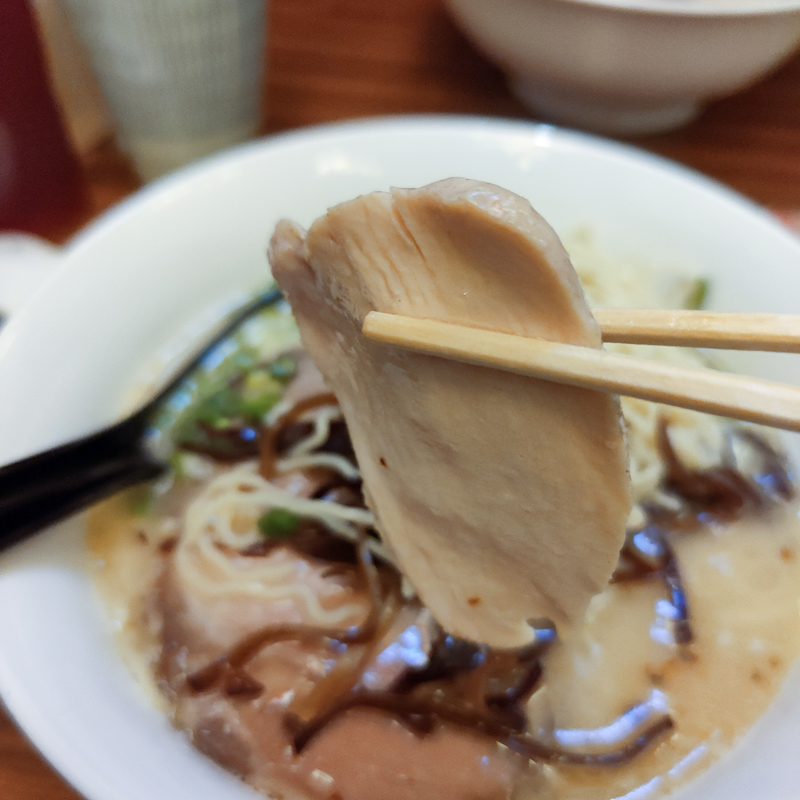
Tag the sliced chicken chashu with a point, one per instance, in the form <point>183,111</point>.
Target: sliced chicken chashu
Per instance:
<point>504,498</point>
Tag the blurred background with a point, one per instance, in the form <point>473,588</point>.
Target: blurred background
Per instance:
<point>96,97</point>
<point>99,96</point>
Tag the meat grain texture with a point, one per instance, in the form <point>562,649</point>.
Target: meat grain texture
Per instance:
<point>504,498</point>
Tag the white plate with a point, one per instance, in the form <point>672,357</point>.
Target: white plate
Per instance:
<point>159,265</point>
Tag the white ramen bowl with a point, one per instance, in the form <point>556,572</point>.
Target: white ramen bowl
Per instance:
<point>629,66</point>
<point>137,284</point>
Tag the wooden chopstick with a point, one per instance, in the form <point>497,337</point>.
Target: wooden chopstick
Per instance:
<point>739,397</point>
<point>774,332</point>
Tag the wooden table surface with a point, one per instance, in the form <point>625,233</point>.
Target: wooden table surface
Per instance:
<point>339,59</point>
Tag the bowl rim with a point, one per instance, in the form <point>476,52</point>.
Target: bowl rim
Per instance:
<point>704,9</point>
<point>161,187</point>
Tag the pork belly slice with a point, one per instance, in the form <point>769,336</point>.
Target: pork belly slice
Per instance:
<point>504,498</point>
<point>363,755</point>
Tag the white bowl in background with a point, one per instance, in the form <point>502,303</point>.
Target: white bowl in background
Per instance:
<point>153,271</point>
<point>629,66</point>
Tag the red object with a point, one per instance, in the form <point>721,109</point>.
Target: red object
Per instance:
<point>40,178</point>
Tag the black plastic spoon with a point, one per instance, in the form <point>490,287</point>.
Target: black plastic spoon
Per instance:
<point>42,489</point>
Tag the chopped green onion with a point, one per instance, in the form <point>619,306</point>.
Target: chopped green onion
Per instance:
<point>224,419</point>
<point>260,392</point>
<point>218,407</point>
<point>697,296</point>
<point>243,359</point>
<point>283,368</point>
<point>178,463</point>
<point>278,523</point>
<point>258,408</point>
<point>141,501</point>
